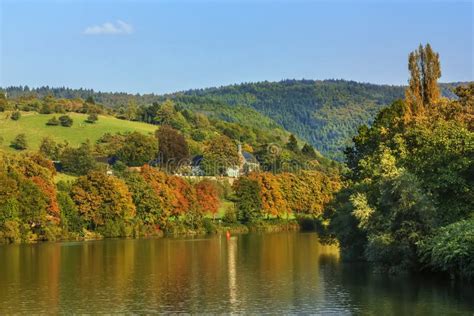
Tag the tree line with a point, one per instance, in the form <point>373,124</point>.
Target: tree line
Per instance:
<point>143,202</point>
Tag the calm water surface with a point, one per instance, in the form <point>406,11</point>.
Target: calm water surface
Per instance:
<point>255,273</point>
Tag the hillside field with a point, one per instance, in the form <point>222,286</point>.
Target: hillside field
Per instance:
<point>33,125</point>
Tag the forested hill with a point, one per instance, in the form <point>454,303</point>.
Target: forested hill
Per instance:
<point>325,113</point>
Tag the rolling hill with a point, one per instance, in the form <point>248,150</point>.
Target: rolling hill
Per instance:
<point>324,113</point>
<point>33,125</point>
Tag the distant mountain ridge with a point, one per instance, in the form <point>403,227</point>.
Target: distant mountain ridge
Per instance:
<point>326,113</point>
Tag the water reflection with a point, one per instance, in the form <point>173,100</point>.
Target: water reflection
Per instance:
<point>284,273</point>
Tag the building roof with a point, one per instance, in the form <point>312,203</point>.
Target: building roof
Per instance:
<point>196,160</point>
<point>249,158</point>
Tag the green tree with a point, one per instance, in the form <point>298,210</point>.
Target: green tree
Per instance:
<point>50,148</point>
<point>148,204</point>
<point>131,112</point>
<point>48,104</point>
<point>71,220</point>
<point>92,118</point>
<point>166,113</point>
<point>450,249</point>
<point>308,151</point>
<point>66,120</point>
<point>3,102</point>
<point>249,203</point>
<point>90,100</point>
<point>220,153</point>
<point>137,149</point>
<point>19,142</point>
<point>292,144</point>
<point>78,161</point>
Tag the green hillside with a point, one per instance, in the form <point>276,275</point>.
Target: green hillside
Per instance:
<point>324,113</point>
<point>34,126</point>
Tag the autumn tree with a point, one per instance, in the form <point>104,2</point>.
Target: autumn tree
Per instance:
<point>172,147</point>
<point>423,90</point>
<point>270,193</point>
<point>183,197</point>
<point>105,203</point>
<point>207,197</point>
<point>27,198</point>
<point>158,182</point>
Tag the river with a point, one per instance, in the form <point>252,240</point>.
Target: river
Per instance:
<point>271,273</point>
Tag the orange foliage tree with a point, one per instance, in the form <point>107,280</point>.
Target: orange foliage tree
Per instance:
<point>102,199</point>
<point>273,202</point>
<point>207,197</point>
<point>157,180</point>
<point>184,195</point>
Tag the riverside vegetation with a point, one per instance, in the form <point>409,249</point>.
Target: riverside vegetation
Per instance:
<point>402,201</point>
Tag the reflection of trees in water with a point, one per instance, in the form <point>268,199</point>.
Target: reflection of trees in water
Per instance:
<point>274,272</point>
<point>32,270</point>
<point>381,294</point>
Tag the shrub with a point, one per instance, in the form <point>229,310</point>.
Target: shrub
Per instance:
<point>92,118</point>
<point>19,143</point>
<point>65,120</point>
<point>53,121</point>
<point>16,115</point>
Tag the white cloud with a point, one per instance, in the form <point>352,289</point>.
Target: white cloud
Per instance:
<point>108,28</point>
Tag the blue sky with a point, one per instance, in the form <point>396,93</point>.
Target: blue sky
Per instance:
<point>164,46</point>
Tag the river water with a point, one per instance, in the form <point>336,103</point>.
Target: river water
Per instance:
<point>255,273</point>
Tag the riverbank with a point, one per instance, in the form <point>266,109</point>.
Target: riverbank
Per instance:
<point>180,229</point>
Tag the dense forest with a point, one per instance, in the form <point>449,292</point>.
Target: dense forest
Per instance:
<point>324,113</point>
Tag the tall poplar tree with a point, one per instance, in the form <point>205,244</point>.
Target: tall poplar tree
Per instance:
<point>425,70</point>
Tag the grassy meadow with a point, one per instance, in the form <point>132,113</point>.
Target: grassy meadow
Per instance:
<point>33,125</point>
